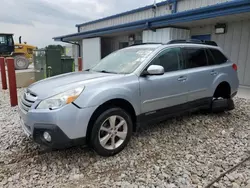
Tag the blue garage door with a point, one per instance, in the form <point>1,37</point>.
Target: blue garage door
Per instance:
<point>201,37</point>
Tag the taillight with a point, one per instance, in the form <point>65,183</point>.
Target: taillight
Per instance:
<point>235,67</point>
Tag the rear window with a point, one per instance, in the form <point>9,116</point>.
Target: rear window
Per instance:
<point>218,57</point>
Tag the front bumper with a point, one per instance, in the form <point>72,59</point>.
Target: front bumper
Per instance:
<point>67,125</point>
<point>59,138</point>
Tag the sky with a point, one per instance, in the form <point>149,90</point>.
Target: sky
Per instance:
<point>38,21</point>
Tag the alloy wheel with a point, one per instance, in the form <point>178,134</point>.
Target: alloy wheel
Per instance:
<point>113,132</point>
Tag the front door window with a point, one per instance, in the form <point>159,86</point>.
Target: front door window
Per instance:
<point>169,59</point>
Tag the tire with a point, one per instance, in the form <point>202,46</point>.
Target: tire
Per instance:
<point>222,100</point>
<point>100,136</point>
<point>222,105</point>
<point>21,62</point>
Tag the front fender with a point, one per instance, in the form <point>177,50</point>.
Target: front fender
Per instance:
<point>100,96</point>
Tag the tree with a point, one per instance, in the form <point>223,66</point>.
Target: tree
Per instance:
<point>60,47</point>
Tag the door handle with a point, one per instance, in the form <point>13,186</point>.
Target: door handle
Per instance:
<point>182,78</point>
<point>213,73</point>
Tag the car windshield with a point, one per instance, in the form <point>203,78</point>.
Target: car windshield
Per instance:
<point>123,61</point>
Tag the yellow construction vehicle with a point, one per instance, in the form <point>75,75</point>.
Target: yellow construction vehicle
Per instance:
<point>21,52</point>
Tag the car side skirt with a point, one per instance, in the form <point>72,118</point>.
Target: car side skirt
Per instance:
<point>173,111</point>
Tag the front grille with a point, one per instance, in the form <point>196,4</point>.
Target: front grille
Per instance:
<point>27,100</point>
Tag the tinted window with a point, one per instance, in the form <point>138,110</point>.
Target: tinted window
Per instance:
<point>169,59</point>
<point>210,58</point>
<point>218,56</point>
<point>194,57</point>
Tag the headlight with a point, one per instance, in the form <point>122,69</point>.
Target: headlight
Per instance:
<point>60,100</point>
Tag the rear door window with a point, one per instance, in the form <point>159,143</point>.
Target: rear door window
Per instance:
<point>194,57</point>
<point>219,58</point>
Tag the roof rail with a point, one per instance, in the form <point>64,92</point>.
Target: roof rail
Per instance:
<point>145,43</point>
<point>193,41</point>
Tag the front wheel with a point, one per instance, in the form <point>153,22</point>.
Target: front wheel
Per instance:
<point>111,132</point>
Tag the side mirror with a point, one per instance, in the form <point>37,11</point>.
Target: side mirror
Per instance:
<point>155,70</point>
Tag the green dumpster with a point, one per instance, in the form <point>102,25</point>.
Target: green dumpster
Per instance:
<point>67,64</point>
<point>49,62</point>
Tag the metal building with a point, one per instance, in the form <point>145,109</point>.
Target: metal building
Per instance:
<point>225,21</point>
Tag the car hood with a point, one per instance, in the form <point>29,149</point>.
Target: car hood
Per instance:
<point>57,84</point>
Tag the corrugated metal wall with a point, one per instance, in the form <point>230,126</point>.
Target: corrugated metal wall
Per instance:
<point>235,43</point>
<point>176,33</point>
<point>162,10</point>
<point>119,20</point>
<point>165,35</point>
<point>192,4</point>
<point>161,35</point>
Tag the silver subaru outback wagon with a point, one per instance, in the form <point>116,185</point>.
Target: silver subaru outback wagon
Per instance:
<point>131,87</point>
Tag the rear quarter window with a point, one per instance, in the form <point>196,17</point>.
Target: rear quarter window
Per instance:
<point>218,56</point>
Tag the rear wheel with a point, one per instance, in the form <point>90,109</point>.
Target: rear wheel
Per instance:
<point>222,100</point>
<point>111,132</point>
<point>21,62</point>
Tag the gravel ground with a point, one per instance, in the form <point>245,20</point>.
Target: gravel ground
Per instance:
<point>183,152</point>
